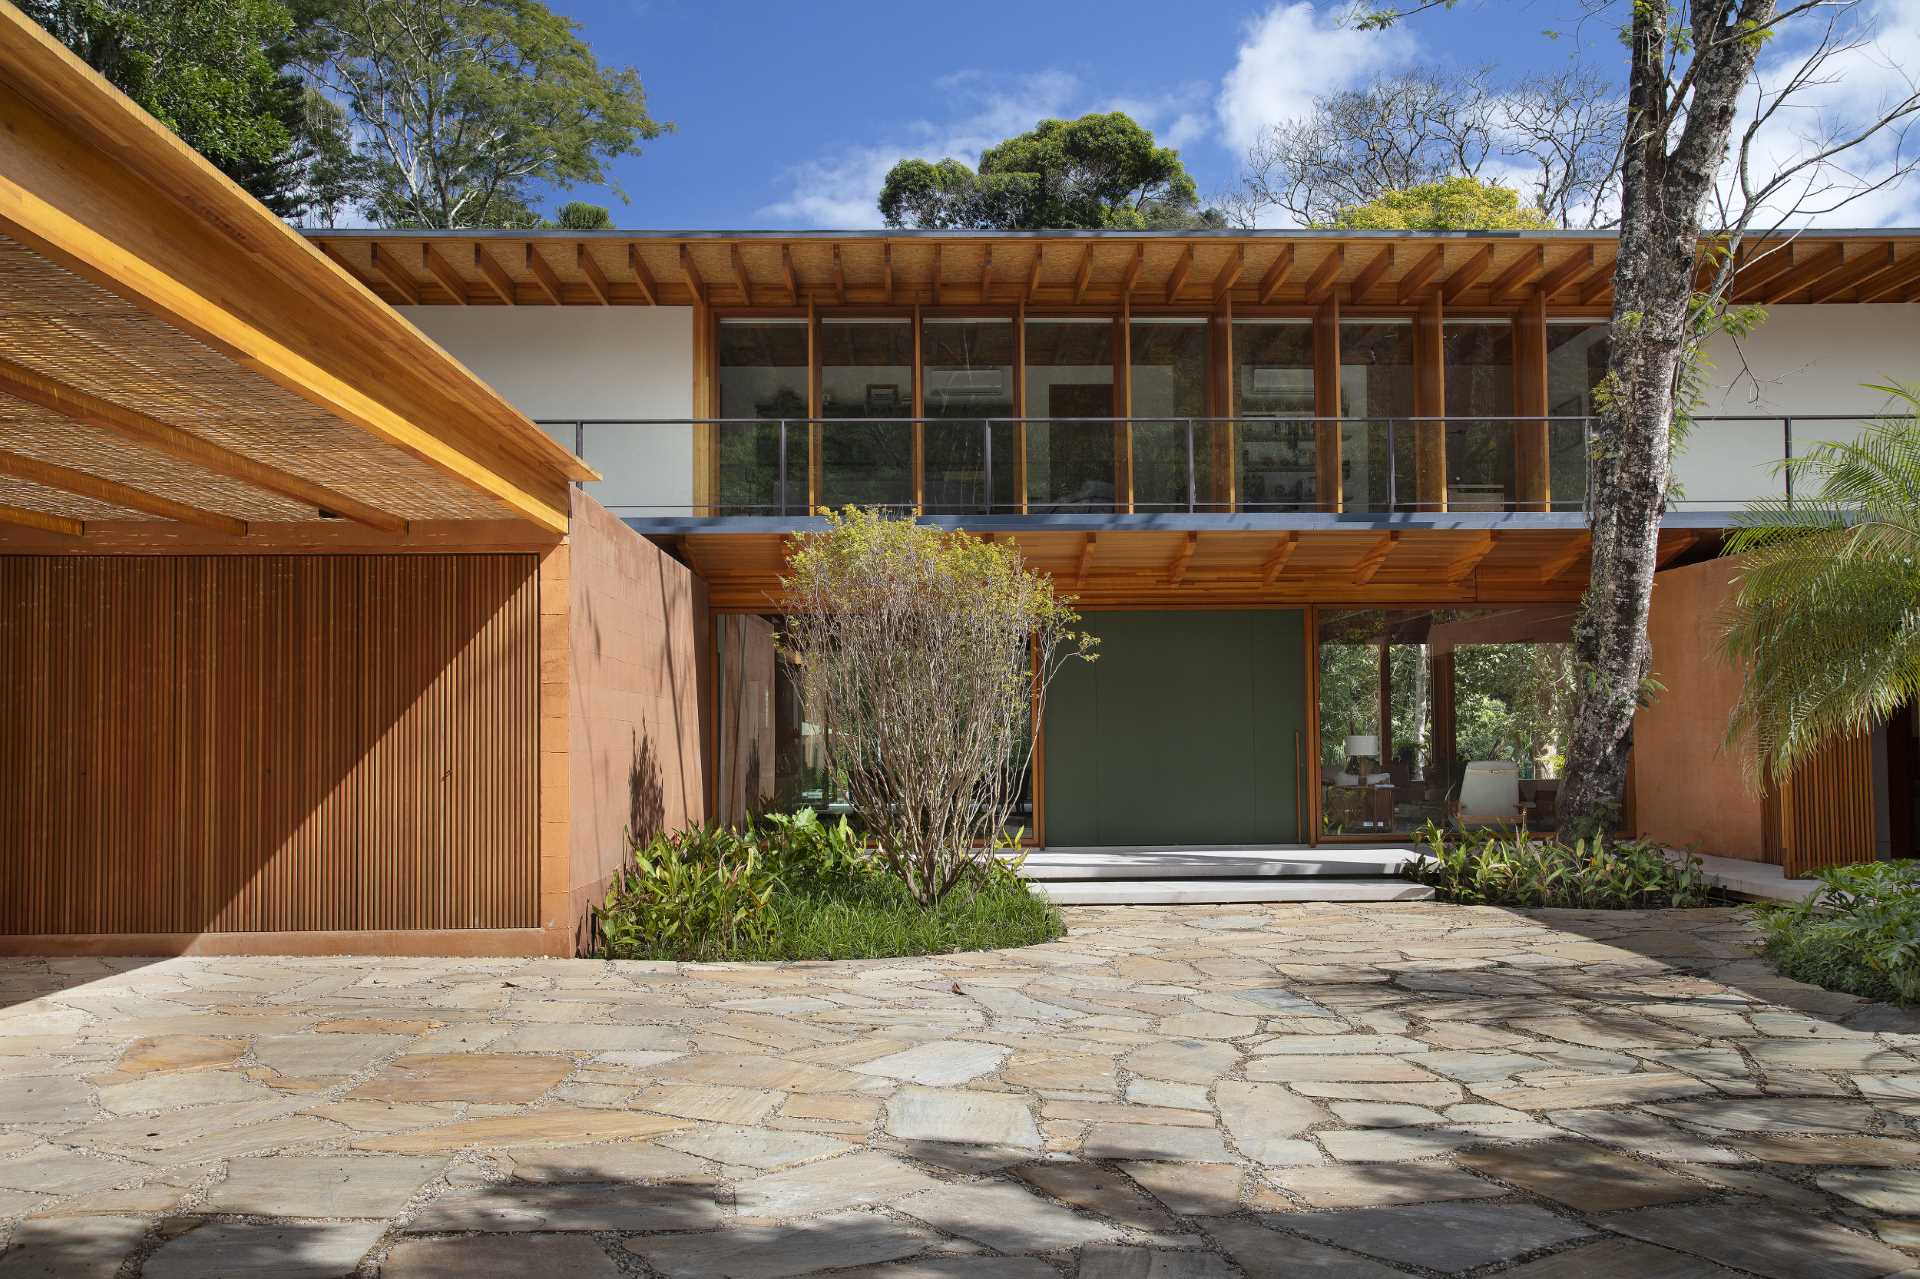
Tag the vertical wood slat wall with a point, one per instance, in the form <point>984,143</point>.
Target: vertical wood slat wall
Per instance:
<point>268,743</point>
<point>1825,815</point>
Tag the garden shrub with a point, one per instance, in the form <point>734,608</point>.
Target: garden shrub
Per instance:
<point>1858,933</point>
<point>795,887</point>
<point>1515,868</point>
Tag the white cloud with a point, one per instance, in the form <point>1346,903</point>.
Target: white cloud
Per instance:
<point>1294,53</point>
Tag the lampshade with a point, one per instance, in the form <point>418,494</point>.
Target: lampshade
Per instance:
<point>1363,745</point>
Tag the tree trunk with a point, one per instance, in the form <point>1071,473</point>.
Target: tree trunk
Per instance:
<point>1652,334</point>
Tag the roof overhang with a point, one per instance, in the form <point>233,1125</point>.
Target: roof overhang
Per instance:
<point>170,349</point>
<point>1469,270</point>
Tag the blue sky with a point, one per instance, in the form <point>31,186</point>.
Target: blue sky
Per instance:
<point>788,113</point>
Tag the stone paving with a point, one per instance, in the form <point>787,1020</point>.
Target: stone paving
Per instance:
<point>1348,1092</point>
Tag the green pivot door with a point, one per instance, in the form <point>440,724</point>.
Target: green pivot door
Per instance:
<point>1187,730</point>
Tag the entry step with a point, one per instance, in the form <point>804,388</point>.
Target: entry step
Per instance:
<point>1192,892</point>
<point>1153,863</point>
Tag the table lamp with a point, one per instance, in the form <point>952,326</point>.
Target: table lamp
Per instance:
<point>1362,746</point>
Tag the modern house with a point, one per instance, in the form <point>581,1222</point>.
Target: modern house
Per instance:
<point>359,589</point>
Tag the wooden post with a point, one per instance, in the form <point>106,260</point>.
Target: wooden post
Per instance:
<point>1386,700</point>
<point>1222,436</point>
<point>813,408</point>
<point>919,427</point>
<point>706,451</point>
<point>1429,400</point>
<point>1326,405</point>
<point>1020,411</point>
<point>1532,472</point>
<point>1123,406</point>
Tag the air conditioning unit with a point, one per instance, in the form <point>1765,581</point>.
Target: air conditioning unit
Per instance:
<point>969,384</point>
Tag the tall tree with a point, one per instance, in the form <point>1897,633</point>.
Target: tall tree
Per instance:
<point>1558,135</point>
<point>216,73</point>
<point>1690,61</point>
<point>1825,617</point>
<point>1453,204</point>
<point>1100,171</point>
<point>465,108</point>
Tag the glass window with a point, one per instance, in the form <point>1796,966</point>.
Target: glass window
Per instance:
<point>763,374</point>
<point>1576,365</point>
<point>1376,389</point>
<point>1477,363</point>
<point>866,399</point>
<point>1442,715</point>
<point>1071,466</point>
<point>1273,383</point>
<point>968,365</point>
<point>1169,372</point>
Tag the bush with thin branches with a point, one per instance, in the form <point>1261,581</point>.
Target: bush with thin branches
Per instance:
<point>926,654</point>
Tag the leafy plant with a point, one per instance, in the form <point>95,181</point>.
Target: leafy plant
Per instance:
<point>1859,932</point>
<point>696,894</point>
<point>1501,868</point>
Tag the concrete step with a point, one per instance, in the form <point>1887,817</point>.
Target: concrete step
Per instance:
<point>1052,864</point>
<point>1268,888</point>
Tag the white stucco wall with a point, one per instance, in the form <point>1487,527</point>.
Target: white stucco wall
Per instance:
<point>580,362</point>
<point>1804,360</point>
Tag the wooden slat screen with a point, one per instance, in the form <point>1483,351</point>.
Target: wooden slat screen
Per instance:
<point>1824,816</point>
<point>268,743</point>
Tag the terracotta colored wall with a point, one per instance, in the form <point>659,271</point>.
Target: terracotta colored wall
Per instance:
<point>636,648</point>
<point>744,760</point>
<point>310,744</point>
<point>1689,791</point>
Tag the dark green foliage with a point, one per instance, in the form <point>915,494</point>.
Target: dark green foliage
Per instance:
<point>1100,171</point>
<point>1859,933</point>
<point>1512,868</point>
<point>794,887</point>
<point>578,215</point>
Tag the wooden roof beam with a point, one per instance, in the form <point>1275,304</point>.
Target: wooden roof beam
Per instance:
<point>1756,267</point>
<point>1466,273</point>
<point>1893,283</point>
<point>1177,571</point>
<point>741,280</point>
<point>1597,285</point>
<point>986,275</point>
<point>1370,274</point>
<point>1082,275</point>
<point>1816,266</point>
<point>698,286</point>
<point>1524,268</point>
<point>46,523</point>
<point>1324,275</point>
<point>886,271</point>
<point>67,480</point>
<point>1370,563</point>
<point>839,274</point>
<point>1085,565</point>
<point>494,274</point>
<point>936,277</point>
<point>398,276</point>
<point>1277,558</point>
<point>1230,273</point>
<point>442,270</point>
<point>1672,549</point>
<point>1469,560</point>
<point>1276,275</point>
<point>1033,272</point>
<point>1181,270</point>
<point>1131,276</point>
<point>1419,274</point>
<point>597,281</point>
<point>643,277</point>
<point>1570,555</point>
<point>787,274</point>
<point>70,402</point>
<point>543,275</point>
<point>1561,276</point>
<point>1853,274</point>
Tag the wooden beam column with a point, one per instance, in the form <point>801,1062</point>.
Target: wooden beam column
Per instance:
<point>1019,406</point>
<point>1326,405</point>
<point>1123,406</point>
<point>813,404</point>
<point>1532,478</point>
<point>1429,400</point>
<point>1223,437</point>
<point>919,427</point>
<point>706,444</point>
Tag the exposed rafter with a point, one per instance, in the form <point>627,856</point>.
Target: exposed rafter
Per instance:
<point>1181,270</point>
<point>691,274</point>
<point>741,280</point>
<point>839,276</point>
<point>1182,557</point>
<point>597,282</point>
<point>388,264</point>
<point>788,276</point>
<point>641,276</point>
<point>442,270</point>
<point>1131,276</point>
<point>935,275</point>
<point>1033,272</point>
<point>1524,268</point>
<point>1466,273</point>
<point>1276,276</point>
<point>1369,275</point>
<point>986,275</point>
<point>494,274</point>
<point>1894,283</point>
<point>1082,275</point>
<point>1370,563</point>
<point>71,402</point>
<point>1463,566</point>
<point>1230,273</point>
<point>1816,266</point>
<point>1420,273</point>
<point>543,275</point>
<point>1853,274</point>
<point>25,518</point>
<point>1085,565</point>
<point>1571,554</point>
<point>1277,558</point>
<point>1324,275</point>
<point>1576,266</point>
<point>1597,285</point>
<point>68,480</point>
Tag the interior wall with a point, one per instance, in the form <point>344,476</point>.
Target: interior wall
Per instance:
<point>195,745</point>
<point>1688,790</point>
<point>559,363</point>
<point>636,645</point>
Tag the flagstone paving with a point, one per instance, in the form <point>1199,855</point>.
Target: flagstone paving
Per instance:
<point>1200,1092</point>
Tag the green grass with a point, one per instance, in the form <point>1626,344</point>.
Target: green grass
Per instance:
<point>877,919</point>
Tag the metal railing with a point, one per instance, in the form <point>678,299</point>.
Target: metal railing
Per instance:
<point>785,466</point>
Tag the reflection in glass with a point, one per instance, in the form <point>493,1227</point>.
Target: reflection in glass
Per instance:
<point>1071,466</point>
<point>1170,384</point>
<point>1376,384</point>
<point>1445,715</point>
<point>763,374</point>
<point>1576,366</point>
<point>969,373</point>
<point>1273,382</point>
<point>866,373</point>
<point>1477,365</point>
